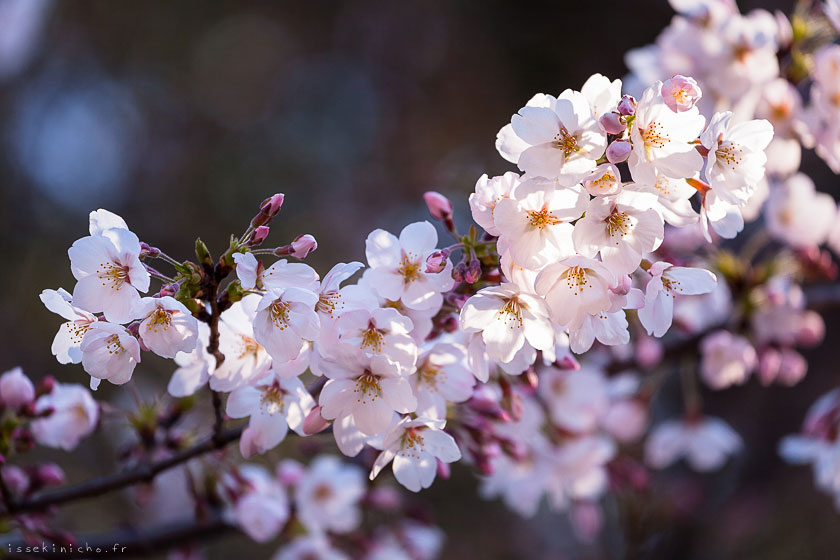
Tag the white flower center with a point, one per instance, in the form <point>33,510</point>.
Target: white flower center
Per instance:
<point>654,137</point>
<point>412,443</point>
<point>367,387</point>
<point>511,313</point>
<point>250,347</point>
<point>373,339</point>
<point>113,345</point>
<point>540,219</point>
<point>271,400</point>
<point>279,311</point>
<point>113,275</point>
<point>618,224</point>
<point>729,154</point>
<point>409,268</point>
<point>576,279</point>
<point>160,318</point>
<point>329,302</point>
<point>566,142</point>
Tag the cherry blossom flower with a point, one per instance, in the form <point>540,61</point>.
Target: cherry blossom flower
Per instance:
<point>576,400</point>
<point>727,359</point>
<point>109,273</point>
<point>194,368</point>
<point>66,346</point>
<point>488,193</point>
<point>535,221</point>
<point>621,228</point>
<point>166,325</point>
<point>579,470</point>
<point>723,217</point>
<point>246,360</point>
<point>415,446</point>
<point>398,266</point>
<point>327,496</point>
<point>331,302</point>
<point>736,156</point>
<point>507,317</point>
<point>604,179</point>
<point>672,202</point>
<point>603,95</point>
<point>554,137</point>
<point>799,215</point>
<point>74,416</point>
<point>369,395</point>
<point>274,404</point>
<point>262,511</point>
<point>16,389</point>
<point>666,281</point>
<point>382,335</point>
<point>705,443</point>
<point>442,377</point>
<point>681,93</point>
<point>285,318</point>
<point>574,287</point>
<point>662,139</point>
<point>109,352</point>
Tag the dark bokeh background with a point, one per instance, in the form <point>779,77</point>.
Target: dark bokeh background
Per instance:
<point>183,116</point>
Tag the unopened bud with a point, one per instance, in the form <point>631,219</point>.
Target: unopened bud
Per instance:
<point>169,290</point>
<point>268,209</point>
<point>612,123</point>
<point>314,422</point>
<point>384,497</point>
<point>459,272</point>
<point>680,93</point>
<point>649,352</point>
<point>473,272</point>
<point>259,235</point>
<point>439,206</point>
<point>46,386</point>
<point>50,474</point>
<point>289,472</point>
<point>811,329</point>
<point>16,390</point>
<point>450,323</point>
<point>568,362</point>
<point>618,151</point>
<point>15,478</point>
<point>627,105</point>
<point>793,367</point>
<point>303,245</point>
<point>436,262</point>
<point>147,251</point>
<point>769,362</point>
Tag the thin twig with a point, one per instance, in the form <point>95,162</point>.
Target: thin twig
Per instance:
<point>102,485</point>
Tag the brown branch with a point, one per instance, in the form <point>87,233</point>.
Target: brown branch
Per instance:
<point>102,485</point>
<point>125,543</point>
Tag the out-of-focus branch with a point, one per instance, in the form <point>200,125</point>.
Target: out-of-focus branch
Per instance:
<point>126,543</point>
<point>102,485</point>
<point>819,297</point>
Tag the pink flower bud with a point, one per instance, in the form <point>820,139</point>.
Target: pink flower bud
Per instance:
<point>612,123</point>
<point>147,251</point>
<point>303,245</point>
<point>450,324</point>
<point>811,329</point>
<point>649,351</point>
<point>16,389</point>
<point>168,290</point>
<point>680,93</point>
<point>769,362</point>
<point>473,272</point>
<point>618,151</point>
<point>436,262</point>
<point>46,385</point>
<point>16,478</point>
<point>439,206</point>
<point>623,285</point>
<point>50,474</point>
<point>793,367</point>
<point>271,206</point>
<point>258,236</point>
<point>289,472</point>
<point>460,271</point>
<point>314,422</point>
<point>627,105</point>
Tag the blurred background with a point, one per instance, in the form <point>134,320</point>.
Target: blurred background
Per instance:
<point>183,116</point>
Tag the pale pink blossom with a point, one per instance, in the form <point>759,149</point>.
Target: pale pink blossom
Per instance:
<point>415,446</point>
<point>166,326</point>
<point>16,389</point>
<point>666,282</point>
<point>328,494</point>
<point>705,443</point>
<point>74,416</point>
<point>66,346</point>
<point>488,193</point>
<point>109,352</point>
<point>727,359</point>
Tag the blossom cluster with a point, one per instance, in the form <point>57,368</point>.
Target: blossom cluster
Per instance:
<point>530,351</point>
